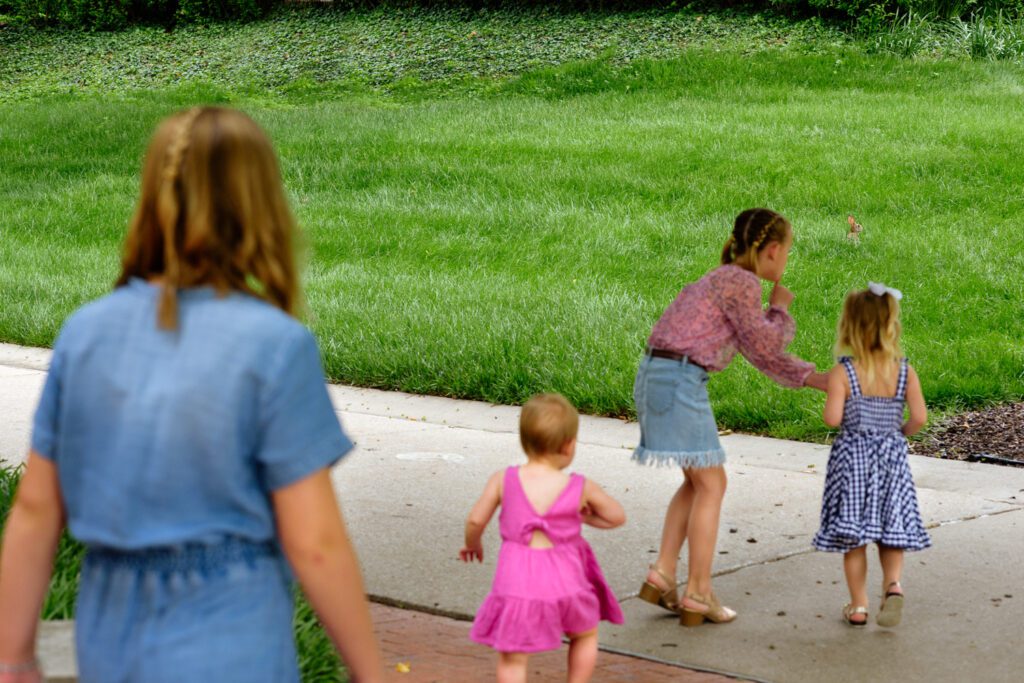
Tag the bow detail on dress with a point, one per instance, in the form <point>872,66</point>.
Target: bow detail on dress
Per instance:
<point>536,525</point>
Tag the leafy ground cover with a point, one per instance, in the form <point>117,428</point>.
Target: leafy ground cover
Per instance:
<point>317,658</point>
<point>488,236</point>
<point>299,48</point>
<point>296,50</point>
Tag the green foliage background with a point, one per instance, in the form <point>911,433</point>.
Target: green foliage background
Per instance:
<point>118,14</point>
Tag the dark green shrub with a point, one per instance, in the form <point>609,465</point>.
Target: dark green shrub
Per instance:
<point>115,14</point>
<point>932,9</point>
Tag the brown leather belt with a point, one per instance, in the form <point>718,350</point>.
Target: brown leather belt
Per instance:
<point>672,355</point>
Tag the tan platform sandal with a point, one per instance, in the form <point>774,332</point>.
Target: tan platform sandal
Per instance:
<point>849,611</point>
<point>713,611</point>
<point>891,611</point>
<point>666,599</point>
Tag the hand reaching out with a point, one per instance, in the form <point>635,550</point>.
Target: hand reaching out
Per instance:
<point>817,380</point>
<point>472,552</point>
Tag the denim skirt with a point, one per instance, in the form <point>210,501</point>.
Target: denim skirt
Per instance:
<point>193,612</point>
<point>677,427</point>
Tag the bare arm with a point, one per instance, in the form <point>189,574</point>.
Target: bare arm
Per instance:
<point>317,545</point>
<point>817,380</point>
<point>26,562</point>
<point>479,517</point>
<point>835,396</point>
<point>915,401</point>
<point>601,510</point>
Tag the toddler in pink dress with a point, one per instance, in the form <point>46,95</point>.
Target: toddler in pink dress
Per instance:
<point>547,583</point>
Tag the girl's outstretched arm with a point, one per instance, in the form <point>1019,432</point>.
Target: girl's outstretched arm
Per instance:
<point>915,401</point>
<point>817,380</point>
<point>315,540</point>
<point>479,517</point>
<point>835,396</point>
<point>599,509</point>
<point>26,562</point>
<point>762,336</point>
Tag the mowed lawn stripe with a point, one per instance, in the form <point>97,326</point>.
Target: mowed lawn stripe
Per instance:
<point>493,242</point>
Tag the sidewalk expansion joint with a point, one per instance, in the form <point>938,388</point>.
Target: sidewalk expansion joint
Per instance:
<point>681,665</point>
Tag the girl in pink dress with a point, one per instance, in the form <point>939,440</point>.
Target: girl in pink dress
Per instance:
<point>547,583</point>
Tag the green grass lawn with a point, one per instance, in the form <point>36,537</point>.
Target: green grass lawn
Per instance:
<point>489,237</point>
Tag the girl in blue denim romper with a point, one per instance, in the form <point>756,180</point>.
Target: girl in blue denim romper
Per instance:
<point>699,333</point>
<point>185,434</point>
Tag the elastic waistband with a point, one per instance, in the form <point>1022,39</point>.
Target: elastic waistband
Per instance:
<point>185,556</point>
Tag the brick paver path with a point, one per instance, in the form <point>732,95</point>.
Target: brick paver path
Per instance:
<point>438,650</point>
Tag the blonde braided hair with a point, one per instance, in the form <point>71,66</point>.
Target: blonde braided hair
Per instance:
<point>169,205</point>
<point>212,212</point>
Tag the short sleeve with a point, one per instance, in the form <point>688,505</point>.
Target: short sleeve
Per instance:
<point>46,423</point>
<point>300,432</point>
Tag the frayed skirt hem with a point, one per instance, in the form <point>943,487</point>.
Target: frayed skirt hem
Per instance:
<point>686,459</point>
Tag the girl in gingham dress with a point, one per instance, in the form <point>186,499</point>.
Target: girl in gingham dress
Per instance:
<point>869,492</point>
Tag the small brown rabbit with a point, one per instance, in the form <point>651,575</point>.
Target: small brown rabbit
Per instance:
<point>855,229</point>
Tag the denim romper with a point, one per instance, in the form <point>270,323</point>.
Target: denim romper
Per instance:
<point>168,445</point>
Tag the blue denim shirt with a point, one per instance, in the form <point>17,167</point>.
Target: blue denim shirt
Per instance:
<point>168,437</point>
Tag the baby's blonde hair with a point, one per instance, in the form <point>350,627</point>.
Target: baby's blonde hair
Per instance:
<point>546,423</point>
<point>753,230</point>
<point>212,211</point>
<point>869,330</point>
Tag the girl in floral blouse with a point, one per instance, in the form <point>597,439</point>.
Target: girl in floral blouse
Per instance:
<point>700,332</point>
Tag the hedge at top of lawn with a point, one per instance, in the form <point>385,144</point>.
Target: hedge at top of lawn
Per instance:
<point>118,14</point>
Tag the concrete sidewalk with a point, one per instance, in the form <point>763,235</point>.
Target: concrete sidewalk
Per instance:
<point>422,461</point>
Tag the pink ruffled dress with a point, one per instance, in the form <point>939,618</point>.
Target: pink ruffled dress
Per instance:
<point>541,594</point>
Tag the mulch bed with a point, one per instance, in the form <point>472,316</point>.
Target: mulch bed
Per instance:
<point>997,433</point>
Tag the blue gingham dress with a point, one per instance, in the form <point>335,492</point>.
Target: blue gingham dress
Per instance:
<point>869,492</point>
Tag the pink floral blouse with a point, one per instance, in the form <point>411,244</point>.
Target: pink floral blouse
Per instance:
<point>721,313</point>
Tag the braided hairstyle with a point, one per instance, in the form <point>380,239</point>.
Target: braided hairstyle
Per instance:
<point>212,211</point>
<point>754,230</point>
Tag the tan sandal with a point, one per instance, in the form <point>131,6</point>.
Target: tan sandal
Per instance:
<point>713,611</point>
<point>666,599</point>
<point>891,611</point>
<point>849,611</point>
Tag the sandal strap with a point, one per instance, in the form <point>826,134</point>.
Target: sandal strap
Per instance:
<point>889,593</point>
<point>850,610</point>
<point>673,584</point>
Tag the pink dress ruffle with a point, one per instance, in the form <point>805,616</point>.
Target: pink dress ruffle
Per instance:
<point>542,594</point>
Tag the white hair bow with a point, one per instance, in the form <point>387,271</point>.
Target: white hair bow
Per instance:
<point>878,289</point>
